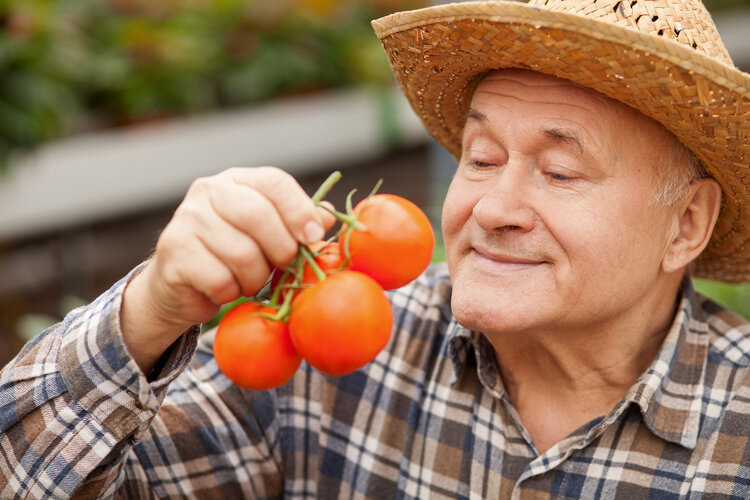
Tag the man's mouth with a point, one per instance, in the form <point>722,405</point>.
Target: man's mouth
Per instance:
<point>494,261</point>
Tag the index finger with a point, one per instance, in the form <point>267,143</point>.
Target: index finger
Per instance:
<point>297,210</point>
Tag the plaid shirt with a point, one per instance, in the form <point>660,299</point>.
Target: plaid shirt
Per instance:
<point>427,419</point>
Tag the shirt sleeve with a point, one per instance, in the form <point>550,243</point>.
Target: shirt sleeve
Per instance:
<point>74,402</point>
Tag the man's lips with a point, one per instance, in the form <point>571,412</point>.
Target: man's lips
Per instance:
<point>489,260</point>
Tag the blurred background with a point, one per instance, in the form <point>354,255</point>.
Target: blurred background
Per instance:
<point>110,108</point>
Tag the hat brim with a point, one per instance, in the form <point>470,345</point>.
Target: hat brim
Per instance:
<point>439,54</point>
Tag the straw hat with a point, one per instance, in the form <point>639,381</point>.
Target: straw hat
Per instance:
<point>662,57</point>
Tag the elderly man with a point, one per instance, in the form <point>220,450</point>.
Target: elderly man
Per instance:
<point>562,352</point>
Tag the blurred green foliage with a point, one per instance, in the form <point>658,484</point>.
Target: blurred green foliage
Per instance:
<point>69,66</point>
<point>718,5</point>
<point>734,297</point>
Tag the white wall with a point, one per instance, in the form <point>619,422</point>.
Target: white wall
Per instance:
<point>91,177</point>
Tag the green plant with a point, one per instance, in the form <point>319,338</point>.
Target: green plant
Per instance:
<point>67,67</point>
<point>733,297</point>
<point>719,5</point>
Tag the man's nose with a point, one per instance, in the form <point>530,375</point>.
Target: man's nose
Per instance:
<point>506,203</point>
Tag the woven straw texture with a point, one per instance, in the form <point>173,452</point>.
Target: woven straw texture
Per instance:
<point>662,57</point>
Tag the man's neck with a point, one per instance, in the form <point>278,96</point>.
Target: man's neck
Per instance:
<point>559,381</point>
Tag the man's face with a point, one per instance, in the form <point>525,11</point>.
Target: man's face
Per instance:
<point>549,222</point>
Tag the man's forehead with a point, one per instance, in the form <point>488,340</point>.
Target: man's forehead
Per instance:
<point>548,84</point>
<point>554,90</point>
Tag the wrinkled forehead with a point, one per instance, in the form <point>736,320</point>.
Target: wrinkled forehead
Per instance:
<point>554,90</point>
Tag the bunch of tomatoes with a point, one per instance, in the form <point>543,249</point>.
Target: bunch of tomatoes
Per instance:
<point>329,306</point>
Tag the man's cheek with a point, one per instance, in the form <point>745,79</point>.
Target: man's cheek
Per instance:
<point>450,228</point>
<point>457,212</point>
<point>448,217</point>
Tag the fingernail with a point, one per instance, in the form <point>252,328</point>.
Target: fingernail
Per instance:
<point>313,232</point>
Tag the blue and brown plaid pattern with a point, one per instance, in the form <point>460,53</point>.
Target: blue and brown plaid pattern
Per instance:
<point>429,418</point>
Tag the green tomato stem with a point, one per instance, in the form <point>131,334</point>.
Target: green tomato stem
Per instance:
<point>283,313</point>
<point>345,219</point>
<point>274,301</point>
<point>375,189</point>
<point>305,253</point>
<point>326,186</point>
<point>347,235</point>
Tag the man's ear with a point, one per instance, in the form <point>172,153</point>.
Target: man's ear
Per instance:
<point>697,213</point>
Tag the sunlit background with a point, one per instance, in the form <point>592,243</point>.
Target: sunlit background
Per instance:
<point>109,108</point>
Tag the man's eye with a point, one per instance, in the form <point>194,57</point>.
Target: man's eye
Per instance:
<point>559,177</point>
<point>479,163</point>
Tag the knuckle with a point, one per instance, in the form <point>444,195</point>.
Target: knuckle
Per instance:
<point>199,185</point>
<point>188,220</point>
<point>232,173</point>
<point>219,285</point>
<point>244,256</point>
<point>275,173</point>
<point>221,292</point>
<point>188,209</point>
<point>205,188</point>
<point>277,180</point>
<point>254,279</point>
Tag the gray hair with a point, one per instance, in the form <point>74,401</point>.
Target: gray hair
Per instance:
<point>676,170</point>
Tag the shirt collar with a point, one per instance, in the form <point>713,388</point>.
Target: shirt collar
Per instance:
<point>669,393</point>
<point>463,344</point>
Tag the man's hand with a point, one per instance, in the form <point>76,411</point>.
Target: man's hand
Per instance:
<point>222,242</point>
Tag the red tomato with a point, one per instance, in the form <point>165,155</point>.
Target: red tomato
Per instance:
<point>328,259</point>
<point>397,241</point>
<point>255,352</point>
<point>341,323</point>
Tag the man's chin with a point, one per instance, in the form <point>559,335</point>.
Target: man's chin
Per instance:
<point>474,315</point>
<point>495,304</point>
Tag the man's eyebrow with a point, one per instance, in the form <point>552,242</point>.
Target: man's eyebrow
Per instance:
<point>564,135</point>
<point>475,115</point>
